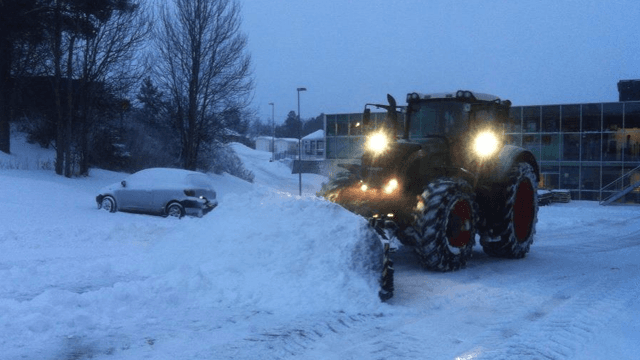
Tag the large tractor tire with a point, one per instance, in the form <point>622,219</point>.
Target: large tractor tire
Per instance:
<point>445,226</point>
<point>513,228</point>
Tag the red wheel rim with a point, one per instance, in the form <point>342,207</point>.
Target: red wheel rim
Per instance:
<point>459,227</point>
<point>523,211</point>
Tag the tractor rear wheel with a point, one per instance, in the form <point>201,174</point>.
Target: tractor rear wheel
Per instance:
<point>445,225</point>
<point>515,224</point>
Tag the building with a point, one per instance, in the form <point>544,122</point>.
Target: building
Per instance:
<point>265,143</point>
<point>313,146</point>
<point>590,149</point>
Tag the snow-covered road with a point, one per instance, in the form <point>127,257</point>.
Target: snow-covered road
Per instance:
<point>270,275</point>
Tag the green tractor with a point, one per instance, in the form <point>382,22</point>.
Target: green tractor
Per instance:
<point>439,178</point>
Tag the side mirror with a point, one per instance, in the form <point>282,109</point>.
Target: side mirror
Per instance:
<point>123,183</point>
<point>392,102</point>
<point>393,114</point>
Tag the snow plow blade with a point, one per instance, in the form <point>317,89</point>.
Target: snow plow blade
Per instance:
<point>386,279</point>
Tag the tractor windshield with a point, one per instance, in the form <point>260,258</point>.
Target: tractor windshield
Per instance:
<point>437,118</point>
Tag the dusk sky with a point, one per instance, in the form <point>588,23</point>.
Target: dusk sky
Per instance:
<point>350,52</point>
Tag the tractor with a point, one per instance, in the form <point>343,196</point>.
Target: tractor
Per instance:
<point>440,177</point>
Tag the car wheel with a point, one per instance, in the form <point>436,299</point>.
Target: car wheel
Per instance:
<point>108,203</point>
<point>175,210</point>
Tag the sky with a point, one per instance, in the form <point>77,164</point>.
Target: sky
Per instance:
<point>348,53</point>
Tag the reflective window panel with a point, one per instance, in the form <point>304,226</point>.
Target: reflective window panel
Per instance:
<point>591,117</point>
<point>570,118</point>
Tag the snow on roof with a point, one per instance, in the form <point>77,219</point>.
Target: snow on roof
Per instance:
<point>287,139</point>
<point>452,95</point>
<point>316,135</point>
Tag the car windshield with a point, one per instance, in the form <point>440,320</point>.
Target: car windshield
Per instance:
<point>199,180</point>
<point>437,118</point>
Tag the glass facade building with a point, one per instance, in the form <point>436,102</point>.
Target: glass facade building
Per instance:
<point>580,147</point>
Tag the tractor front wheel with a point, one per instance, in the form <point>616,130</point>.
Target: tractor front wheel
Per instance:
<point>445,226</point>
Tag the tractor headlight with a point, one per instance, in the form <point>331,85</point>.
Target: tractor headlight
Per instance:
<point>486,144</point>
<point>377,143</point>
<point>391,186</point>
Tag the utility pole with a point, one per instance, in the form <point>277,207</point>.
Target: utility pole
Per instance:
<point>273,132</point>
<point>300,142</point>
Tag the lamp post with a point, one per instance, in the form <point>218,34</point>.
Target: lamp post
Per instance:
<point>300,142</point>
<point>273,132</point>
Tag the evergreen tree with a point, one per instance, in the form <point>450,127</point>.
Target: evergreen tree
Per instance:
<point>291,127</point>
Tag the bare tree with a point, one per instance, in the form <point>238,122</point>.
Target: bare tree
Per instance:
<point>204,67</point>
<point>92,36</point>
<point>109,61</point>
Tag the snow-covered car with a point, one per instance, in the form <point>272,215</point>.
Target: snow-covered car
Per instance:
<point>160,191</point>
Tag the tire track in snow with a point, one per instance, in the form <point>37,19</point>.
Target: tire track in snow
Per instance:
<point>311,339</point>
<point>559,326</point>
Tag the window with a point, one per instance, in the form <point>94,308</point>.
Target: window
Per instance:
<point>589,195</point>
<point>569,176</point>
<point>611,149</point>
<point>591,147</point>
<point>632,116</point>
<point>611,116</point>
<point>591,177</point>
<point>531,118</point>
<point>550,118</point>
<point>610,174</point>
<point>331,148</point>
<point>331,125</point>
<point>550,181</point>
<point>550,176</point>
<point>570,118</point>
<point>342,148</point>
<point>515,115</point>
<point>631,145</point>
<point>355,124</point>
<point>570,147</point>
<point>591,117</point>
<point>550,147</point>
<point>342,125</point>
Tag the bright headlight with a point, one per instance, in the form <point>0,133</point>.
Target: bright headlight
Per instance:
<point>392,185</point>
<point>377,143</point>
<point>486,144</point>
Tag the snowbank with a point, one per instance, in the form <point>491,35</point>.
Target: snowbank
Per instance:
<point>76,280</point>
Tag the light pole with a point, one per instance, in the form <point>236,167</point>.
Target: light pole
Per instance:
<point>300,142</point>
<point>273,133</point>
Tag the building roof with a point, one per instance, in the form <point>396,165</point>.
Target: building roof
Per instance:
<point>316,135</point>
<point>288,140</point>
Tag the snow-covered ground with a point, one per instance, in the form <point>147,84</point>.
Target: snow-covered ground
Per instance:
<point>271,275</point>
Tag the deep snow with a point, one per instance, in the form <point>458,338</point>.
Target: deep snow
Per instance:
<point>271,275</point>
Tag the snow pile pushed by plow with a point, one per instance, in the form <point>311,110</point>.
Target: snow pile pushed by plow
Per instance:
<point>75,280</point>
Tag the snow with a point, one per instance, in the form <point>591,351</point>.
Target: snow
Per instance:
<point>162,179</point>
<point>316,135</point>
<point>272,275</point>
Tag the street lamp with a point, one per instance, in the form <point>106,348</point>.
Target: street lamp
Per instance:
<point>300,142</point>
<point>273,133</point>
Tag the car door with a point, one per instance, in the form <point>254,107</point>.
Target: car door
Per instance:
<point>142,200</point>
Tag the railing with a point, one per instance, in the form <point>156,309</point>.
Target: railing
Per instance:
<point>622,186</point>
